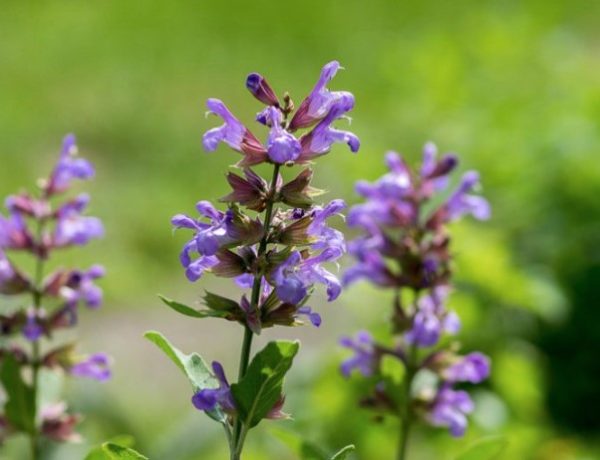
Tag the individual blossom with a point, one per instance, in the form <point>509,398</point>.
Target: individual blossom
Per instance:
<point>294,277</point>
<point>80,285</point>
<point>234,134</point>
<point>95,367</point>
<point>431,320</point>
<point>210,398</point>
<point>73,228</point>
<point>473,368</point>
<point>365,355</point>
<point>68,168</point>
<point>282,146</point>
<point>450,409</point>
<point>319,102</point>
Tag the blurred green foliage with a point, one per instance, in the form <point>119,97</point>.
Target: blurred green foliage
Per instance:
<point>514,86</point>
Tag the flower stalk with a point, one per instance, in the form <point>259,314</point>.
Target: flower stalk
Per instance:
<point>54,300</point>
<point>273,240</point>
<point>405,247</point>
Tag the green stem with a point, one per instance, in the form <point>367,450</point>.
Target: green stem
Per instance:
<point>35,346</point>
<point>405,410</point>
<point>239,432</point>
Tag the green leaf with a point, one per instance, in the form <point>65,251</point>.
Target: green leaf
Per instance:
<point>186,310</point>
<point>344,452</point>
<point>98,452</point>
<point>487,448</point>
<point>219,303</point>
<point>258,391</point>
<point>20,404</point>
<point>192,365</point>
<point>117,452</point>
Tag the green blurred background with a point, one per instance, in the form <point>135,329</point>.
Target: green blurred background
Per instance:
<point>513,86</point>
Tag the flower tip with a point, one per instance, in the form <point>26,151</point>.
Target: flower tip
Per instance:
<point>253,81</point>
<point>330,69</point>
<point>430,148</point>
<point>470,179</point>
<point>69,146</point>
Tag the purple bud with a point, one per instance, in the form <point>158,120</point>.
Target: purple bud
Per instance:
<point>261,90</point>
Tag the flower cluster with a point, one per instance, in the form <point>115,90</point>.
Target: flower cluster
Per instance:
<point>38,225</point>
<point>405,247</point>
<point>272,238</point>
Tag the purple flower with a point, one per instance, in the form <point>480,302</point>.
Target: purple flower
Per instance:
<point>282,146</point>
<point>74,229</point>
<point>395,185</point>
<point>68,168</point>
<point>449,409</point>
<point>370,266</point>
<point>209,399</point>
<point>80,286</point>
<point>14,233</point>
<point>461,203</point>
<point>94,367</point>
<point>209,237</point>
<point>325,236</point>
<point>294,277</point>
<point>474,368</point>
<point>312,316</point>
<point>319,102</point>
<point>33,328</point>
<point>234,134</point>
<point>261,90</point>
<point>365,356</point>
<point>26,205</point>
<point>431,319</point>
<point>222,229</point>
<point>434,173</point>
<point>319,141</point>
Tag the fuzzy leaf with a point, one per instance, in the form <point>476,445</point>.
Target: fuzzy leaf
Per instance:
<point>20,404</point>
<point>487,448</point>
<point>258,391</point>
<point>184,309</point>
<point>192,365</point>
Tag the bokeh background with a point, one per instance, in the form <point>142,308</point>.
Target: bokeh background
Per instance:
<point>513,86</point>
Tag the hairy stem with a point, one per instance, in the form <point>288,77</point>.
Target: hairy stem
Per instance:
<point>406,415</point>
<point>239,431</point>
<point>35,346</point>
